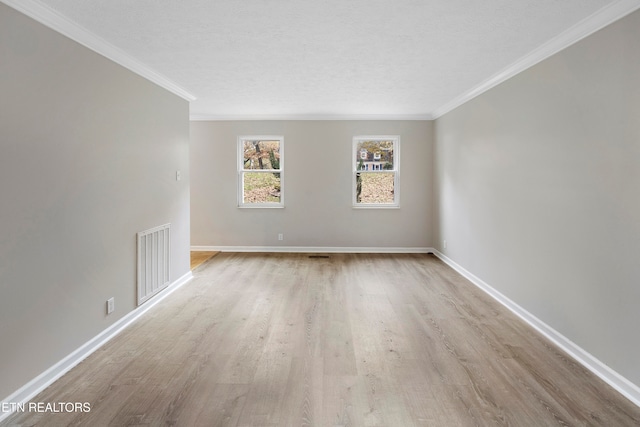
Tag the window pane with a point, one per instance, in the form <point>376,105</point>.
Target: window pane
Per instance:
<point>261,154</point>
<point>261,187</point>
<point>374,155</point>
<point>376,188</point>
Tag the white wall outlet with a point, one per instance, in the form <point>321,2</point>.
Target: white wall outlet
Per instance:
<point>178,177</point>
<point>111,305</point>
<point>444,244</point>
<point>280,236</point>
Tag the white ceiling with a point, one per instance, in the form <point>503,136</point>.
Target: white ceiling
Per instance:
<point>332,58</point>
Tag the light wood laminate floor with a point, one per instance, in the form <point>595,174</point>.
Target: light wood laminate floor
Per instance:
<point>200,257</point>
<point>349,340</point>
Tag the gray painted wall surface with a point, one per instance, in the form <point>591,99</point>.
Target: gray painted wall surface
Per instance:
<point>537,192</point>
<point>317,188</point>
<point>88,155</point>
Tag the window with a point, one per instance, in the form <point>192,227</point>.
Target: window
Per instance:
<point>260,171</point>
<point>376,173</point>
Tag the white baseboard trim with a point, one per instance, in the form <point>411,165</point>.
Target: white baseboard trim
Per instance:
<point>625,387</point>
<point>27,392</point>
<point>316,249</point>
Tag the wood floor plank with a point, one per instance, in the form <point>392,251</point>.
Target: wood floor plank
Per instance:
<point>344,403</point>
<point>200,257</point>
<point>214,405</point>
<point>341,340</point>
<point>303,399</point>
<point>336,339</point>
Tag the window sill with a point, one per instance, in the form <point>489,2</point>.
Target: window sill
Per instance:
<point>376,207</point>
<point>261,207</point>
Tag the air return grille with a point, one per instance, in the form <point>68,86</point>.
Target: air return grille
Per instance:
<point>154,247</point>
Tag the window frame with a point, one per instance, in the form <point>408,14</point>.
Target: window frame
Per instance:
<point>355,156</point>
<point>241,171</point>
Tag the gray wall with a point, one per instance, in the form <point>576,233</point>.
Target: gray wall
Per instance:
<point>318,209</point>
<point>538,186</point>
<point>88,154</point>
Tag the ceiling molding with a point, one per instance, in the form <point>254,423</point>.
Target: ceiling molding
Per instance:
<point>397,117</point>
<point>582,29</point>
<point>57,22</point>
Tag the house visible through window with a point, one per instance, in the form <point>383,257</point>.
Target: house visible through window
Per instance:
<point>260,171</point>
<point>376,171</point>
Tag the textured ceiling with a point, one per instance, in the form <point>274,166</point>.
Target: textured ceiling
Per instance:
<point>296,58</point>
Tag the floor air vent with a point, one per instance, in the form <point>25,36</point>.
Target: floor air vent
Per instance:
<point>318,256</point>
<point>153,261</point>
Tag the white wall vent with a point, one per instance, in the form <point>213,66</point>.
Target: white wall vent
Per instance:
<point>154,247</point>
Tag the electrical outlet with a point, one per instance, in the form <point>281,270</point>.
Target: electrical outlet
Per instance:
<point>444,244</point>
<point>178,176</point>
<point>111,305</point>
<point>280,236</point>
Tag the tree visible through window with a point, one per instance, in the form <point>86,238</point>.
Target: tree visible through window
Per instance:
<point>260,171</point>
<point>376,171</point>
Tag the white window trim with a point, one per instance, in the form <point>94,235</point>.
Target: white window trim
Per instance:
<point>396,170</point>
<point>242,171</point>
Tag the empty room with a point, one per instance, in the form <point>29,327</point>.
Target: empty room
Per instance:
<point>336,213</point>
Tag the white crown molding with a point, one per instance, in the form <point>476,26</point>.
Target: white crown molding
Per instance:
<point>582,29</point>
<point>59,23</point>
<point>27,392</point>
<point>255,117</point>
<point>316,249</point>
<point>625,387</point>
<point>52,19</point>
